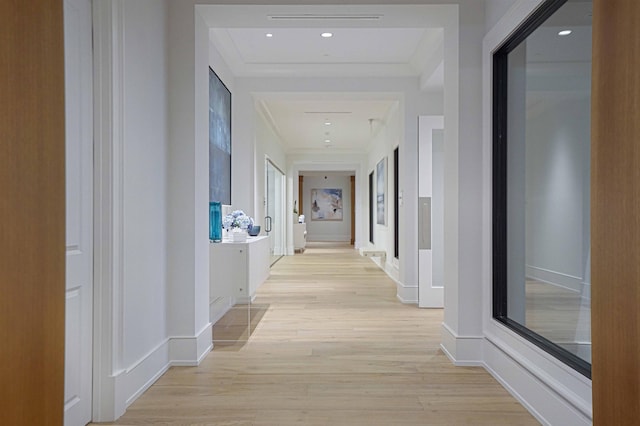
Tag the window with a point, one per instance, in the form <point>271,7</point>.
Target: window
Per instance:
<point>541,175</point>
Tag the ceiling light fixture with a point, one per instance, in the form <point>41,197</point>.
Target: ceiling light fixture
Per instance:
<point>327,123</point>
<point>564,32</point>
<point>269,35</point>
<point>327,141</point>
<point>327,35</point>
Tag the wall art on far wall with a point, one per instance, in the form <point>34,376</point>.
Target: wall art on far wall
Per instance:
<point>326,204</point>
<point>219,140</point>
<point>381,187</point>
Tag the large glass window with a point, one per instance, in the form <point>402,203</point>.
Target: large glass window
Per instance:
<point>541,162</point>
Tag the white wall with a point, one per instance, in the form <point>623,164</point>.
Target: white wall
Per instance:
<point>385,140</point>
<point>328,230</point>
<point>461,333</point>
<point>145,174</point>
<point>496,9</point>
<point>267,145</point>
<point>437,213</point>
<point>558,163</point>
<point>188,185</point>
<point>132,150</point>
<point>324,161</point>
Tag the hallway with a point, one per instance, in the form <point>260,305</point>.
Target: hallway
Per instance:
<point>334,347</point>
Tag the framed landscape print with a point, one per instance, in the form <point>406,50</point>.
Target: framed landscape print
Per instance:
<point>219,140</point>
<point>326,204</point>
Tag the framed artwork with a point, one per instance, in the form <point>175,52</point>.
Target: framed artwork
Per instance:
<point>326,204</point>
<point>381,187</point>
<point>219,140</point>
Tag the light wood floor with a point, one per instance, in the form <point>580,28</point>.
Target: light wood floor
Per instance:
<point>333,346</point>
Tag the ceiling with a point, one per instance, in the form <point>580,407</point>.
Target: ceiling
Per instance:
<point>367,41</point>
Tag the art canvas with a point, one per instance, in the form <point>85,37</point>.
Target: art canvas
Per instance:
<point>381,185</point>
<point>219,140</point>
<point>326,204</point>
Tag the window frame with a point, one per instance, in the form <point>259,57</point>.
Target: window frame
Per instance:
<point>499,189</point>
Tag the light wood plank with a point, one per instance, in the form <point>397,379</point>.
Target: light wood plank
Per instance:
<point>333,347</point>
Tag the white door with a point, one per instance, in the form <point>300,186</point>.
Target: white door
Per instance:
<point>79,197</point>
<point>431,214</point>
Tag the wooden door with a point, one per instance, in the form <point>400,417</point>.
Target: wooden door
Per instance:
<point>79,211</point>
<point>32,213</point>
<point>615,210</point>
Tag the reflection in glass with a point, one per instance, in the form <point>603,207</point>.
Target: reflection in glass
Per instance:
<point>548,179</point>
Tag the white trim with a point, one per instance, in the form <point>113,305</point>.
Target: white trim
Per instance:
<point>461,350</point>
<point>189,351</point>
<point>328,238</point>
<point>406,294</point>
<point>108,24</point>
<point>555,278</point>
<point>548,399</point>
<point>552,391</point>
<point>144,372</point>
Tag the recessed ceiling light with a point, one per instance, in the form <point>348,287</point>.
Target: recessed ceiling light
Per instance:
<point>269,35</point>
<point>327,35</point>
<point>327,141</point>
<point>564,32</point>
<point>327,123</point>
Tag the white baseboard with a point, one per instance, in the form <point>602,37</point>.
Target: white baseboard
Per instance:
<point>218,307</point>
<point>555,278</point>
<point>189,351</point>
<point>544,396</point>
<point>461,350</point>
<point>549,398</point>
<point>406,294</point>
<point>131,383</point>
<point>327,238</point>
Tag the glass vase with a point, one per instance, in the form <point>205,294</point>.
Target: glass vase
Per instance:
<point>215,221</point>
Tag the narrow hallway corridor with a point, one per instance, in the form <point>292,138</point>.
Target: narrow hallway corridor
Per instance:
<point>333,346</point>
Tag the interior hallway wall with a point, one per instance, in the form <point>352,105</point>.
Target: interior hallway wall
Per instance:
<point>131,309</point>
<point>330,230</point>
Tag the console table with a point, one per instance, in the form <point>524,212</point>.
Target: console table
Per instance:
<point>299,236</point>
<point>236,270</point>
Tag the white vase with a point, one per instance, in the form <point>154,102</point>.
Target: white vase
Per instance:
<point>239,236</point>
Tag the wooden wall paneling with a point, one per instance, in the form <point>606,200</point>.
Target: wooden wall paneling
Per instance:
<point>615,198</point>
<point>300,195</point>
<point>32,213</point>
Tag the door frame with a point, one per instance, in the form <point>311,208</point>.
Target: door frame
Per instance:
<point>429,296</point>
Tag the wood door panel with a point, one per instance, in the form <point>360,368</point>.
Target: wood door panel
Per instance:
<point>615,213</point>
<point>32,213</point>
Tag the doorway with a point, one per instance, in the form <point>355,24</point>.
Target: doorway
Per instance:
<point>431,212</point>
<point>275,212</point>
